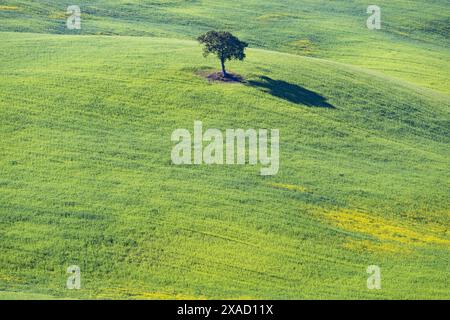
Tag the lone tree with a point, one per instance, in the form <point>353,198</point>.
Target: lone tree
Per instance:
<point>224,45</point>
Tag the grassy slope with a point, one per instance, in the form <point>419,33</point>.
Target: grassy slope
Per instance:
<point>413,44</point>
<point>86,176</point>
<point>7,295</point>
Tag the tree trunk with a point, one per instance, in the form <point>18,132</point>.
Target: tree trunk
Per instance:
<point>224,72</point>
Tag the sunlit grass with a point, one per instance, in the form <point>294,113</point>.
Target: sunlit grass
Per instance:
<point>87,177</point>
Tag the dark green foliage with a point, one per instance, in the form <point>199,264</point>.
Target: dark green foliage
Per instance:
<point>224,45</point>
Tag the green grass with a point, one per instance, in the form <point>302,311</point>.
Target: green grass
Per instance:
<point>23,296</point>
<point>87,178</point>
<point>413,44</point>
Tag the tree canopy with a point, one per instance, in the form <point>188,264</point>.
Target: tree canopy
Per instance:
<point>224,45</point>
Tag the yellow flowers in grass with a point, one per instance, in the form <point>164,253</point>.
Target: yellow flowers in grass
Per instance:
<point>8,278</point>
<point>289,187</point>
<point>112,293</point>
<point>58,15</point>
<point>384,229</point>
<point>8,8</point>
<point>376,247</point>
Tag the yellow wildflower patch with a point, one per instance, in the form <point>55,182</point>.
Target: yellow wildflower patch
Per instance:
<point>376,247</point>
<point>8,8</point>
<point>144,295</point>
<point>383,229</point>
<point>290,187</point>
<point>7,278</point>
<point>58,15</point>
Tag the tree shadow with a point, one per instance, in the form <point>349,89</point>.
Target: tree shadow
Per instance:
<point>290,92</point>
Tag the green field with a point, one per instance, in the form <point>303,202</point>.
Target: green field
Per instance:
<point>87,179</point>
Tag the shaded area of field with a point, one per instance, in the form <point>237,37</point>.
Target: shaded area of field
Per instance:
<point>290,92</point>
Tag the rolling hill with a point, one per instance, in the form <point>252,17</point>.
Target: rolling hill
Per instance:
<point>87,179</point>
<point>412,44</point>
